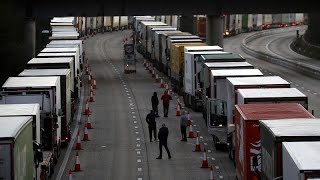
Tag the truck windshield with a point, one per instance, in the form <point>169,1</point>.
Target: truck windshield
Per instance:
<point>218,112</point>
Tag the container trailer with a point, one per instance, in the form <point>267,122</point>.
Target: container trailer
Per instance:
<point>46,92</point>
<point>274,132</point>
<point>300,160</point>
<point>257,22</point>
<point>115,23</point>
<point>67,113</point>
<point>16,148</point>
<point>69,43</point>
<point>247,23</point>
<point>43,163</point>
<point>193,82</point>
<point>107,23</point>
<point>247,133</point>
<point>123,22</point>
<point>216,101</point>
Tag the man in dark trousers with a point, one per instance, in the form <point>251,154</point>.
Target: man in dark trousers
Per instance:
<point>166,101</point>
<point>163,137</point>
<point>183,125</point>
<point>155,103</point>
<point>152,126</point>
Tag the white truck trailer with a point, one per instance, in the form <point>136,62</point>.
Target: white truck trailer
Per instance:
<point>274,132</point>
<point>58,63</point>
<point>65,78</point>
<point>300,160</point>
<point>69,43</point>
<point>42,159</point>
<point>216,102</point>
<point>46,92</point>
<point>16,148</point>
<point>154,39</point>
<point>236,83</point>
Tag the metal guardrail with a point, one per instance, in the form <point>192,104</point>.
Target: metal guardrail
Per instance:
<point>304,68</point>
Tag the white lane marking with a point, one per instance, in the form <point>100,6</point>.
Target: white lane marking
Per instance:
<point>132,108</point>
<point>209,151</point>
<point>133,112</point>
<point>221,177</point>
<point>124,85</point>
<point>135,122</point>
<point>138,152</point>
<point>195,126</point>
<point>129,97</point>
<point>139,169</point>
<point>134,117</point>
<point>201,137</point>
<point>139,178</point>
<point>130,100</point>
<point>205,144</point>
<point>308,90</point>
<point>297,84</point>
<point>131,104</point>
<point>128,94</point>
<point>103,146</point>
<point>217,167</point>
<point>127,91</point>
<point>315,93</point>
<point>302,87</point>
<point>213,159</point>
<point>137,132</point>
<point>138,139</point>
<point>138,145</point>
<point>139,160</point>
<point>136,127</point>
<point>73,138</point>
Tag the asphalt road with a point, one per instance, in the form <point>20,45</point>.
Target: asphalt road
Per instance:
<point>119,146</point>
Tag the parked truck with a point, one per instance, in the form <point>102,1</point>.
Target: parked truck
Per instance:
<point>233,85</point>
<point>274,132</point>
<point>123,22</point>
<point>300,160</point>
<point>16,148</point>
<point>176,66</point>
<point>46,92</point>
<point>153,44</point>
<point>115,23</point>
<point>247,138</point>
<point>216,101</point>
<point>247,22</point>
<point>69,43</point>
<point>193,91</point>
<point>67,113</point>
<point>43,163</point>
<point>107,23</point>
<point>257,22</point>
<point>59,63</point>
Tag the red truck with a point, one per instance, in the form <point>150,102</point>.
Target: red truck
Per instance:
<point>248,144</point>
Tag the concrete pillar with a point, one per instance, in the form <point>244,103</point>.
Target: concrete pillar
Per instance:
<point>312,34</point>
<point>188,24</point>
<point>30,37</point>
<point>214,30</point>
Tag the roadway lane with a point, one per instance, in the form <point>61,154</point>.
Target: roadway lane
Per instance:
<point>278,43</point>
<point>119,146</point>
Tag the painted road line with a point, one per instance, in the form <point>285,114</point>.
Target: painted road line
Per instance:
<point>73,138</point>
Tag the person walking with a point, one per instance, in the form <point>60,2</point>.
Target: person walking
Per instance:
<point>152,125</point>
<point>155,103</point>
<point>183,125</point>
<point>166,101</point>
<point>163,137</point>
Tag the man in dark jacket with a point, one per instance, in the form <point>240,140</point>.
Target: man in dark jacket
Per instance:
<point>166,100</point>
<point>152,126</point>
<point>155,103</point>
<point>183,125</point>
<point>163,137</point>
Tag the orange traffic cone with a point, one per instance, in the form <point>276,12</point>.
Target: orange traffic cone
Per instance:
<point>91,97</point>
<point>198,148</point>
<point>91,89</point>
<point>86,133</point>
<point>211,173</point>
<point>157,78</point>
<point>78,144</point>
<point>87,70</point>
<point>89,79</point>
<point>77,165</point>
<point>178,113</point>
<point>161,83</point>
<point>89,122</point>
<point>94,84</point>
<point>191,135</point>
<point>189,122</point>
<point>87,110</point>
<point>179,102</point>
<point>70,174</point>
<point>205,160</point>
